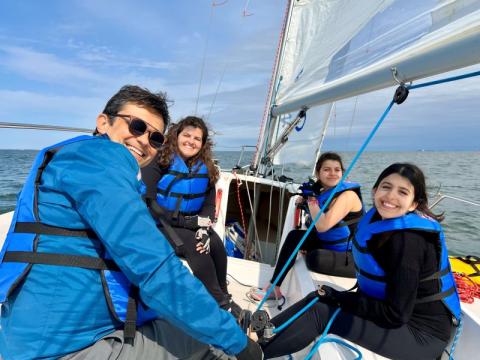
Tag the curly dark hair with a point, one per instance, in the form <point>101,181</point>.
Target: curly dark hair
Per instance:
<point>170,148</point>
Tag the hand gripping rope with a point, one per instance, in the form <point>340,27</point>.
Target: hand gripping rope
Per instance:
<point>400,96</point>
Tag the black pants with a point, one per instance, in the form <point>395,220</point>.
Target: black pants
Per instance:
<point>319,260</point>
<point>211,268</point>
<point>405,342</point>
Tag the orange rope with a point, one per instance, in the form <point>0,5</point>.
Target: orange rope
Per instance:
<point>247,243</point>
<point>468,290</point>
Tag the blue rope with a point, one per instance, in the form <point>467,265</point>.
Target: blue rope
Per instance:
<point>458,331</point>
<point>324,339</point>
<point>294,317</point>
<point>312,225</point>
<point>453,78</point>
<point>338,341</point>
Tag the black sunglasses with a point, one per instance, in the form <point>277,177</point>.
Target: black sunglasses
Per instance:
<point>138,127</point>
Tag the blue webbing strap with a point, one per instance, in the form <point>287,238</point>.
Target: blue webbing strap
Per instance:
<point>314,221</point>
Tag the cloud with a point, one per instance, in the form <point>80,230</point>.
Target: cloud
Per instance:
<point>42,66</point>
<point>51,109</point>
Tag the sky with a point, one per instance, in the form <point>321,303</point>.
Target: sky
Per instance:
<point>60,61</point>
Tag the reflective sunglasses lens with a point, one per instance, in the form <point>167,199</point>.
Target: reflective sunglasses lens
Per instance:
<point>137,127</point>
<point>156,139</point>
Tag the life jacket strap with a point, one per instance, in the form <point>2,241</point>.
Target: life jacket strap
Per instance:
<point>336,242</point>
<point>182,175</point>
<point>437,296</point>
<point>160,214</point>
<point>436,275</point>
<point>82,261</point>
<point>44,229</point>
<point>179,195</point>
<point>130,325</point>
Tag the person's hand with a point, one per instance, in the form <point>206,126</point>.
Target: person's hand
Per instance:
<point>328,295</point>
<point>252,351</point>
<point>203,238</point>
<point>194,222</point>
<point>312,201</point>
<point>299,200</point>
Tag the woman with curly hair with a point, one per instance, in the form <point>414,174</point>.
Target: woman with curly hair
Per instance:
<point>182,181</point>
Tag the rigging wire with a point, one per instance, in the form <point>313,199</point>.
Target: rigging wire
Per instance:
<point>349,137</point>
<point>202,68</point>
<point>220,81</point>
<point>256,241</point>
<point>245,9</point>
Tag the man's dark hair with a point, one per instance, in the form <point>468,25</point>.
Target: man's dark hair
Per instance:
<point>155,102</point>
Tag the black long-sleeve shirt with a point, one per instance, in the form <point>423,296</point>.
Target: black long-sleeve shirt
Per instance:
<point>406,257</point>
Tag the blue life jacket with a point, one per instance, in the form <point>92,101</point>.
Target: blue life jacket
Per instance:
<point>370,275</point>
<point>337,237</point>
<point>182,190</point>
<point>19,251</point>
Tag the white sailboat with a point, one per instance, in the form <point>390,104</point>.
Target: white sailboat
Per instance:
<point>333,50</point>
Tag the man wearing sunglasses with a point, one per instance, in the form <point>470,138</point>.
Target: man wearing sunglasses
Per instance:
<point>84,271</point>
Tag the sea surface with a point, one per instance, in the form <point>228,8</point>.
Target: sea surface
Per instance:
<point>454,174</point>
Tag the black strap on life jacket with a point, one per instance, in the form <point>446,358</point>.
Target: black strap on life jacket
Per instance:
<point>178,176</point>
<point>426,299</point>
<point>130,325</point>
<point>81,261</point>
<point>160,214</point>
<point>44,229</point>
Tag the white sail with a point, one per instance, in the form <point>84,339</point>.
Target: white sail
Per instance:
<point>339,49</point>
<point>310,37</point>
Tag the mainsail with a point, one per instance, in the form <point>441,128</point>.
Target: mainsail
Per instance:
<point>339,49</point>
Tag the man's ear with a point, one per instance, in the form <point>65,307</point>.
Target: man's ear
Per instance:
<point>102,123</point>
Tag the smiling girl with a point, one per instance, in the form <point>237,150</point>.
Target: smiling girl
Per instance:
<point>328,246</point>
<point>183,184</point>
<point>407,303</point>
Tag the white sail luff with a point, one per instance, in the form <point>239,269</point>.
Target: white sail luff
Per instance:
<point>455,47</point>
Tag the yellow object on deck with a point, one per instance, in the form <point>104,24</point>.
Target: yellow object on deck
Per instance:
<point>468,265</point>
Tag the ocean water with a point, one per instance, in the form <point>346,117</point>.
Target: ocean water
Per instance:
<point>454,174</point>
